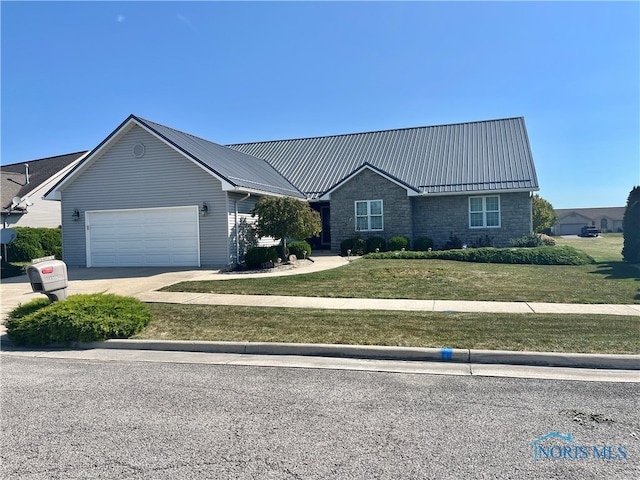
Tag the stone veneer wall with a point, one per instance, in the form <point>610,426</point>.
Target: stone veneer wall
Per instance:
<point>368,185</point>
<point>439,217</point>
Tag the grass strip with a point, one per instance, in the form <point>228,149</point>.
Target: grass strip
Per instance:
<point>520,332</point>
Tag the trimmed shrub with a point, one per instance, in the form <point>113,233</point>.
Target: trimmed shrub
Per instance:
<point>256,256</point>
<point>301,249</point>
<point>357,245</point>
<point>35,243</point>
<point>422,244</point>
<point>79,318</point>
<point>398,243</point>
<point>544,255</point>
<point>376,242</point>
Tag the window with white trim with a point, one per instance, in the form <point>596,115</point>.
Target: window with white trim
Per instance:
<point>484,212</point>
<point>369,215</point>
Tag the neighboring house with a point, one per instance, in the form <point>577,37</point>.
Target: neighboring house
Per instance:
<point>152,195</point>
<point>29,181</point>
<point>571,220</point>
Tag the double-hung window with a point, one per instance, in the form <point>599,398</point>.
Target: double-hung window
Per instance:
<point>484,212</point>
<point>369,215</point>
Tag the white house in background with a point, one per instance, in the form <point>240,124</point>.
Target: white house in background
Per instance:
<point>605,219</point>
<point>29,181</point>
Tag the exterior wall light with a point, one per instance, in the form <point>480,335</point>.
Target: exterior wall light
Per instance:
<point>204,209</point>
<point>75,216</point>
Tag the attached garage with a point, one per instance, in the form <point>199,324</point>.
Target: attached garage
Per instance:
<point>143,237</point>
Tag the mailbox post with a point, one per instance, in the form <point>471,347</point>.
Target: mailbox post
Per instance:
<point>49,276</point>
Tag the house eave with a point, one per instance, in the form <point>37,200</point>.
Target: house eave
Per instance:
<point>477,192</point>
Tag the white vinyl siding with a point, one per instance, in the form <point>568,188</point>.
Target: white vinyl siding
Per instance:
<point>369,215</point>
<point>484,212</point>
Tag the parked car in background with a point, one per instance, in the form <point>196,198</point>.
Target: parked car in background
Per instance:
<point>589,232</point>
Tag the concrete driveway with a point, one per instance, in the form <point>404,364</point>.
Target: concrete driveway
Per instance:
<point>134,281</point>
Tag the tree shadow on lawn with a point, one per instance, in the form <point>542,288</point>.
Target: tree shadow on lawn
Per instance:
<point>619,271</point>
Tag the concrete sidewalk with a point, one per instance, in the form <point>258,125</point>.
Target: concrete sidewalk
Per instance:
<point>143,284</point>
<point>385,304</point>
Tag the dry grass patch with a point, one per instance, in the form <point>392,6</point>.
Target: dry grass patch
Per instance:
<point>526,332</point>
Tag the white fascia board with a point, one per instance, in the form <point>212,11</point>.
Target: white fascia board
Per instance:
<point>114,137</point>
<point>55,178</point>
<point>227,187</point>
<point>90,157</point>
<point>476,192</point>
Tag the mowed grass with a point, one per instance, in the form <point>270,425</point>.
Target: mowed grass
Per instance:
<point>524,332</point>
<point>608,281</point>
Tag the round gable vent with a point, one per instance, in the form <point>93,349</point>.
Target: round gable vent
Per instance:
<point>138,150</point>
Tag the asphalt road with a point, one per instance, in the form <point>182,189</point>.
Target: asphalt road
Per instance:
<point>72,419</point>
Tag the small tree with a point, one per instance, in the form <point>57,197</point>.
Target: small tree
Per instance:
<point>544,216</point>
<point>285,218</point>
<point>631,227</point>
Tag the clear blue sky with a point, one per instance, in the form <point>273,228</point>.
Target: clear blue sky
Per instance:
<point>242,72</point>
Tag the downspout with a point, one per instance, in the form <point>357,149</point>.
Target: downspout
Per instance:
<point>236,202</point>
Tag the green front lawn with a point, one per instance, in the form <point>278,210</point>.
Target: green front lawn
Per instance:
<point>604,282</point>
<point>528,332</point>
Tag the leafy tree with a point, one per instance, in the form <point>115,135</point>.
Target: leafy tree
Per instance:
<point>544,216</point>
<point>285,218</point>
<point>631,227</point>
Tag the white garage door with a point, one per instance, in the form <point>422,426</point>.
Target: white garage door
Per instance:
<point>152,237</point>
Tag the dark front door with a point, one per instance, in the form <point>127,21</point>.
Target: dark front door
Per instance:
<point>325,235</point>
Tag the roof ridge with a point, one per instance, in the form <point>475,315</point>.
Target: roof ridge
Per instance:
<point>377,131</point>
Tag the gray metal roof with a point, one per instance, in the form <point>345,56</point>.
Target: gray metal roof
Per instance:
<point>490,155</point>
<point>239,169</point>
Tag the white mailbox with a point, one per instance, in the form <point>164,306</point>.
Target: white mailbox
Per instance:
<point>49,277</point>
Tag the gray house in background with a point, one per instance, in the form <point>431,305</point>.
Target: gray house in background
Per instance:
<point>605,219</point>
<point>152,195</point>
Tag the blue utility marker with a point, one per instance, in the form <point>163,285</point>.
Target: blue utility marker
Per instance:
<point>446,353</point>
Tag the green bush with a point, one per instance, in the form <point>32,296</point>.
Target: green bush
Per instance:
<point>301,249</point>
<point>256,256</point>
<point>544,255</point>
<point>376,242</point>
<point>398,243</point>
<point>422,244</point>
<point>79,318</point>
<point>631,227</point>
<point>35,243</point>
<point>357,245</point>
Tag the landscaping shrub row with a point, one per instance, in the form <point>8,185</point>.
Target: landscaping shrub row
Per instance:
<point>257,256</point>
<point>35,243</point>
<point>360,246</point>
<point>79,318</point>
<point>544,255</point>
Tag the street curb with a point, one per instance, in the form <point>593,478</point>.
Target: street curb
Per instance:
<point>453,355</point>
